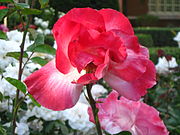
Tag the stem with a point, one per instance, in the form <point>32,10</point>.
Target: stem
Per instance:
<point>16,103</point>
<point>94,109</point>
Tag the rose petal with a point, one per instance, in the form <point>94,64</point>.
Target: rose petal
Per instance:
<point>53,89</point>
<point>103,68</point>
<point>63,32</point>
<point>86,79</point>
<point>116,20</point>
<point>126,115</point>
<point>88,17</point>
<point>136,88</point>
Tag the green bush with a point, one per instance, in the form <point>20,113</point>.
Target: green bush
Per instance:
<point>173,51</point>
<point>145,40</point>
<point>147,20</point>
<point>161,36</point>
<point>49,39</point>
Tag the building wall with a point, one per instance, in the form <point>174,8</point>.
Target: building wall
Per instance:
<point>136,7</point>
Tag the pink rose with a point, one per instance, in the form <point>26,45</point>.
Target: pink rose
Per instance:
<point>125,115</point>
<point>92,45</point>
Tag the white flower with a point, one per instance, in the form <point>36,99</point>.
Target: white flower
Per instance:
<point>22,129</point>
<point>36,125</point>
<point>39,30</point>
<point>38,21</point>
<point>46,114</point>
<point>177,38</point>
<point>17,36</point>
<point>78,117</point>
<point>163,65</point>
<point>6,105</point>
<point>45,24</point>
<point>47,31</point>
<point>55,45</point>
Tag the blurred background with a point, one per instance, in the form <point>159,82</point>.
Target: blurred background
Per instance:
<point>156,23</point>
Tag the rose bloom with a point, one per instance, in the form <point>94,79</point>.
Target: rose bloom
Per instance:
<point>92,44</point>
<point>3,7</point>
<point>117,115</point>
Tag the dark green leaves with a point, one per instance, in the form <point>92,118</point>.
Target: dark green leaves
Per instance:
<point>39,46</point>
<point>1,96</point>
<point>3,35</point>
<point>3,13</point>
<point>125,133</point>
<point>43,3</point>
<point>2,131</point>
<point>44,49</point>
<point>16,55</point>
<point>39,60</point>
<point>34,101</point>
<point>21,5</point>
<point>30,11</point>
<point>16,83</point>
<point>6,1</point>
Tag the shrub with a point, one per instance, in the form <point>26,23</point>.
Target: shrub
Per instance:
<point>145,40</point>
<point>147,20</point>
<point>173,51</point>
<point>49,39</point>
<point>161,36</point>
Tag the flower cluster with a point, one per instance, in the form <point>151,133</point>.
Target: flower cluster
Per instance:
<point>91,45</point>
<point>43,26</point>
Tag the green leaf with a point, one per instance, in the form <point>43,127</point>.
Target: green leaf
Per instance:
<point>125,133</point>
<point>33,33</point>
<point>38,41</point>
<point>39,60</point>
<point>30,11</point>
<point>1,97</point>
<point>21,5</point>
<point>3,35</point>
<point>64,128</point>
<point>2,131</point>
<point>16,83</point>
<point>34,101</point>
<point>6,1</point>
<point>43,3</point>
<point>16,55</point>
<point>3,13</point>
<point>23,105</point>
<point>45,49</point>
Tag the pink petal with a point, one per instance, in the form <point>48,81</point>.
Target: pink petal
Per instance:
<point>63,32</point>
<point>116,20</point>
<point>130,41</point>
<point>148,121</point>
<point>103,68</point>
<point>136,88</point>
<point>126,115</point>
<point>131,68</point>
<point>53,89</point>
<point>86,79</point>
<point>88,17</point>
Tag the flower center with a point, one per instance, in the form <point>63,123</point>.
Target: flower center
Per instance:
<point>90,68</point>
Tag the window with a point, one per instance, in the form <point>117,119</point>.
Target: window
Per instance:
<point>164,7</point>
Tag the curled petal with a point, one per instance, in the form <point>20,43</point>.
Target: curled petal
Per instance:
<point>125,115</point>
<point>53,89</point>
<point>88,17</point>
<point>63,32</point>
<point>136,88</point>
<point>116,20</point>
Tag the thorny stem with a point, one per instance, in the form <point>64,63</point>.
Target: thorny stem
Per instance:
<point>16,103</point>
<point>94,109</point>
